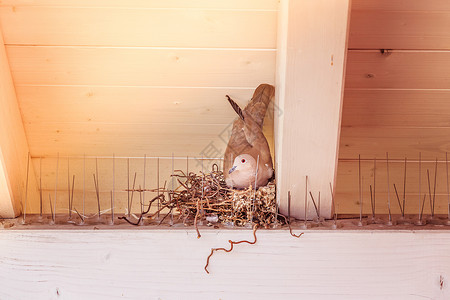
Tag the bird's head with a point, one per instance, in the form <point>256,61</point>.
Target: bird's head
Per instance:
<point>244,163</point>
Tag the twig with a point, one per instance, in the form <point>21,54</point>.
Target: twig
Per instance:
<point>255,227</point>
<point>195,221</point>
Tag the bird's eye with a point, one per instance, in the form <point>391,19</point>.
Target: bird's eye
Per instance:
<point>243,161</point>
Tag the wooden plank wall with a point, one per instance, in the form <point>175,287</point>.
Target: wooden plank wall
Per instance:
<point>15,192</point>
<point>397,101</point>
<point>135,77</point>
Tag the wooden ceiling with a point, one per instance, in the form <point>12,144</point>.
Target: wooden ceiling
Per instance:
<point>135,77</point>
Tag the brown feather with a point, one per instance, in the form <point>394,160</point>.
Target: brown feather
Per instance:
<point>236,107</point>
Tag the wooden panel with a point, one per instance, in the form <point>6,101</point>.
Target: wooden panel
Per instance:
<point>13,148</point>
<point>380,29</point>
<point>138,27</point>
<point>310,76</point>
<point>129,105</point>
<point>132,139</point>
<point>347,188</point>
<point>139,66</point>
<point>83,170</point>
<point>398,69</point>
<point>394,108</point>
<point>147,4</point>
<point>84,264</point>
<point>401,5</point>
<point>399,142</point>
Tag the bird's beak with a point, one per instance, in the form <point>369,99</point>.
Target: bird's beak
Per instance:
<point>232,169</point>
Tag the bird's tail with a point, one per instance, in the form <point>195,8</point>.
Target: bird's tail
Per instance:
<point>259,103</point>
<point>236,107</point>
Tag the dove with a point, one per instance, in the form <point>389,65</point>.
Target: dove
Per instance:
<point>247,156</point>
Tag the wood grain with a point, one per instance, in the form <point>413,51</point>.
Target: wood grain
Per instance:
<point>398,69</point>
<point>13,149</point>
<point>151,4</point>
<point>139,66</point>
<point>396,108</point>
<point>66,264</point>
<point>401,5</point>
<point>347,187</point>
<point>129,105</point>
<point>112,26</point>
<point>387,29</point>
<point>311,65</point>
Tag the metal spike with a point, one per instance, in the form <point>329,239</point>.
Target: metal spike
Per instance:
<point>388,194</point>
<point>56,186</point>
<point>26,189</point>
<point>40,187</point>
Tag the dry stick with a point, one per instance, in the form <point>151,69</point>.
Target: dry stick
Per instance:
<point>40,186</point>
<point>434,191</point>
<point>448,192</point>
<point>404,191</point>
<point>314,202</point>
<point>145,212</point>
<point>398,200</point>
<point>254,191</point>
<point>26,188</point>
<point>290,228</point>
<point>388,194</point>
<point>231,246</point>
<point>56,185</point>
<point>195,221</point>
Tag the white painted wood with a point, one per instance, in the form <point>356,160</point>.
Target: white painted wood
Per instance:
<point>13,148</point>
<point>168,264</point>
<point>310,78</point>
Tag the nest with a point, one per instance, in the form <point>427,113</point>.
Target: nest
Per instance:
<point>206,197</point>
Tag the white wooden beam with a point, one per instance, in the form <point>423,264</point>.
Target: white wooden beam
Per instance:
<point>312,44</point>
<point>168,264</point>
<point>13,148</point>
